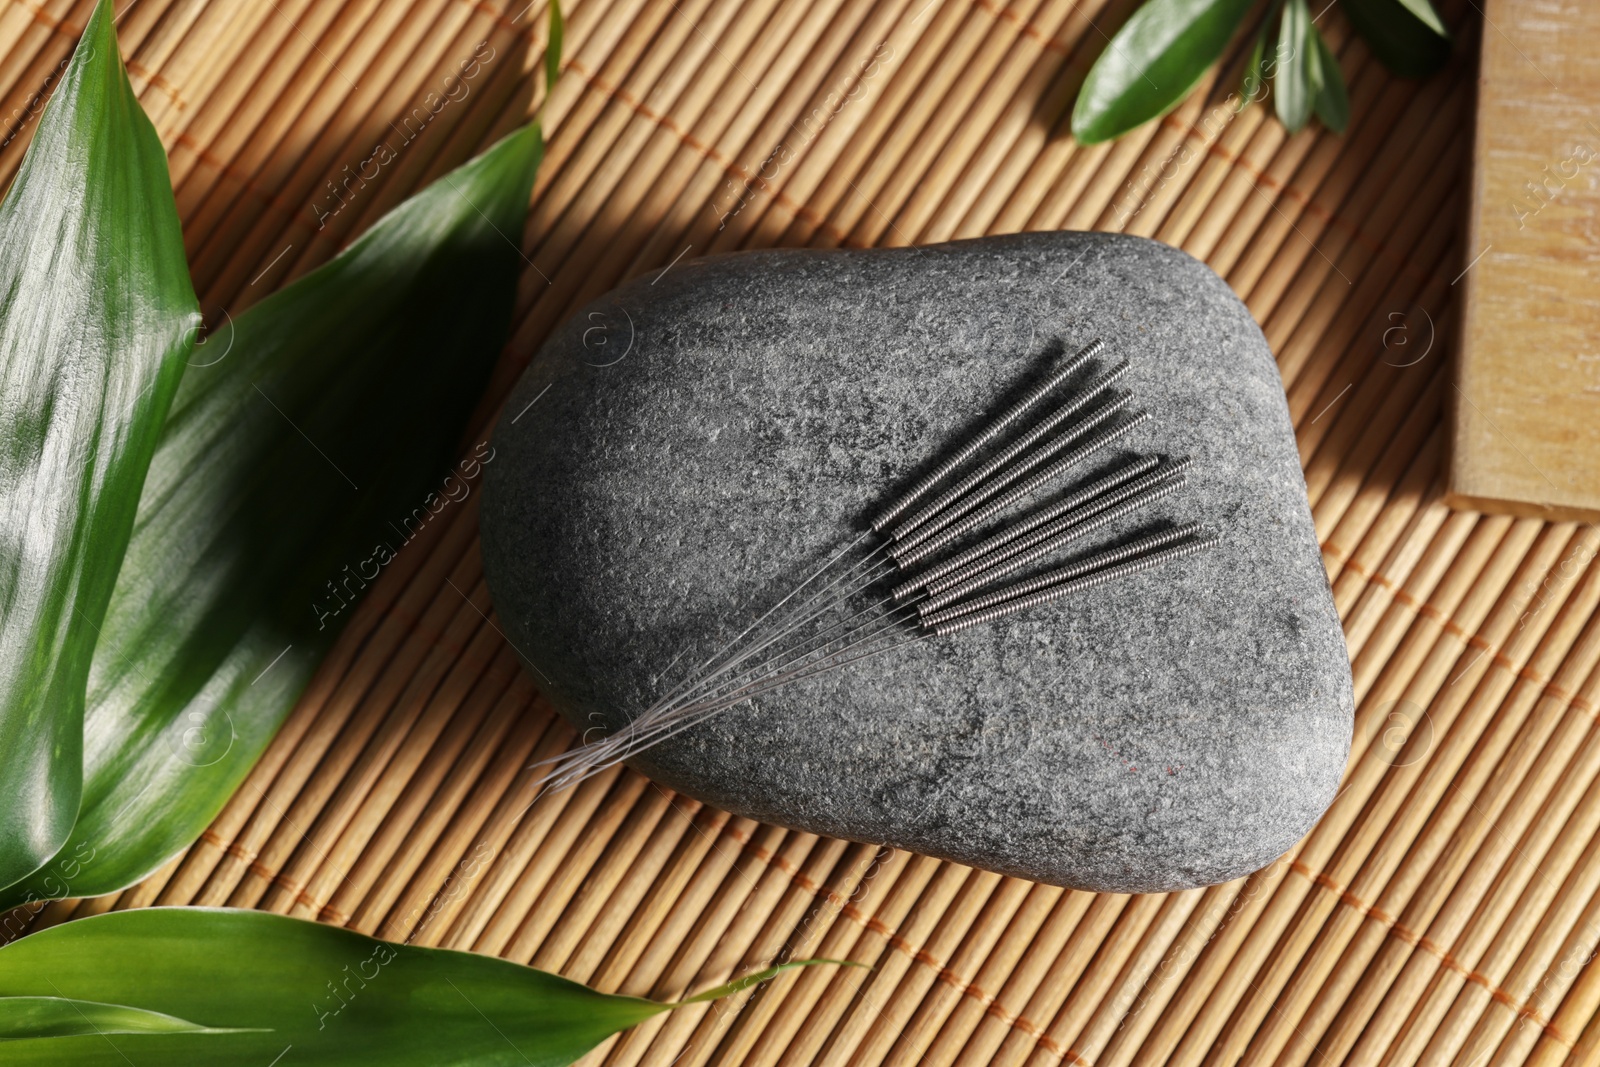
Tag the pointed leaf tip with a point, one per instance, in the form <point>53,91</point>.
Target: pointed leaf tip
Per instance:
<point>1425,14</point>
<point>739,985</point>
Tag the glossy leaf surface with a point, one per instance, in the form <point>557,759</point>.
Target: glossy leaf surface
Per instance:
<point>331,996</point>
<point>1299,78</point>
<point>264,986</point>
<point>313,443</point>
<point>96,313</point>
<point>1425,14</point>
<point>1151,64</point>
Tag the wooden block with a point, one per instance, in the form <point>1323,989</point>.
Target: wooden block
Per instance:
<point>1525,408</point>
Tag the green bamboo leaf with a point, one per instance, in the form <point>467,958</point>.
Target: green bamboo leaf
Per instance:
<point>1152,63</point>
<point>311,440</point>
<point>96,314</point>
<point>332,996</point>
<point>29,1017</point>
<point>262,984</point>
<point>1407,36</point>
<point>1333,102</point>
<point>1299,77</point>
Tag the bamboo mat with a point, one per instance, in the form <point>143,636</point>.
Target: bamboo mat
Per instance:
<point>1444,910</point>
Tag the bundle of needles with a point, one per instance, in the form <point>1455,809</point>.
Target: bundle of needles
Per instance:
<point>940,556</point>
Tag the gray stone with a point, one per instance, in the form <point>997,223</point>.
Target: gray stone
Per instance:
<point>686,448</point>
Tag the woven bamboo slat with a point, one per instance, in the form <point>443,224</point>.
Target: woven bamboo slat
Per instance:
<point>1446,907</point>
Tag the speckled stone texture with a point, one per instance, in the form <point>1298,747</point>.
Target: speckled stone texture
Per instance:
<point>688,447</point>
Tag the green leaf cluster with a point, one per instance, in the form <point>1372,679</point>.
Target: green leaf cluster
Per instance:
<point>1165,48</point>
<point>186,524</point>
<point>178,532</point>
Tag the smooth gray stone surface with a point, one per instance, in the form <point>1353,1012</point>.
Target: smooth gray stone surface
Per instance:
<point>688,447</point>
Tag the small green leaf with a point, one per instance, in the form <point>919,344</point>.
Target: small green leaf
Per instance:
<point>96,314</point>
<point>311,440</point>
<point>1410,45</point>
<point>264,984</point>
<point>1333,102</point>
<point>1152,63</point>
<point>1299,77</point>
<point>1251,87</point>
<point>29,1017</point>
